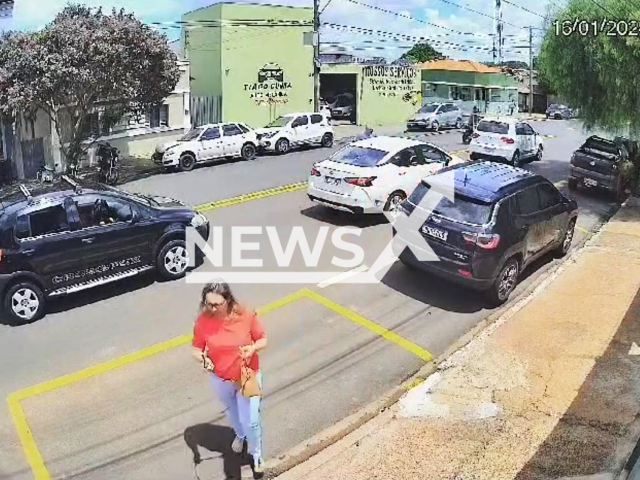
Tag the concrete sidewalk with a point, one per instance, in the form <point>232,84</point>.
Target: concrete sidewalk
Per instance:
<point>549,391</point>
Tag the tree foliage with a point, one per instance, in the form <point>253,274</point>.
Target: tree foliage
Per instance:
<point>422,52</point>
<point>595,73</point>
<point>82,61</point>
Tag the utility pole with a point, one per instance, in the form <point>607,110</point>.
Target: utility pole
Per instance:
<point>316,55</point>
<point>498,27</point>
<point>530,69</point>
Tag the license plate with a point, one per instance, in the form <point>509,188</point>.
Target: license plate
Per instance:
<point>590,183</point>
<point>332,181</point>
<point>489,148</point>
<point>435,232</point>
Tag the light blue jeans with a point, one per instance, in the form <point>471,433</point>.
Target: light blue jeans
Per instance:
<point>244,414</point>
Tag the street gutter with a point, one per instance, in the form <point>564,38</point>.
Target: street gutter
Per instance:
<point>314,445</point>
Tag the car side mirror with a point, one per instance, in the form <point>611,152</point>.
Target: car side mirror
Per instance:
<point>439,113</point>
<point>135,217</point>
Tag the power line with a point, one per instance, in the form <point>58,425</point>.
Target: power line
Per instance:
<point>479,13</point>
<point>402,15</point>
<point>602,8</point>
<point>522,8</point>
<point>325,7</point>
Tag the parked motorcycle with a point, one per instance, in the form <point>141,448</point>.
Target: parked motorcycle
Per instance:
<point>467,135</point>
<point>109,161</point>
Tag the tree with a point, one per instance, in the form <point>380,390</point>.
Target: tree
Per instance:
<point>422,52</point>
<point>595,73</point>
<point>515,64</point>
<point>82,61</point>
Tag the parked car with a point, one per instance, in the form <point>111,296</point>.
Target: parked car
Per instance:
<point>559,112</point>
<point>506,140</point>
<point>375,174</point>
<point>502,219</point>
<point>436,115</point>
<point>206,143</point>
<point>294,130</point>
<point>596,164</point>
<point>70,240</point>
<point>343,107</point>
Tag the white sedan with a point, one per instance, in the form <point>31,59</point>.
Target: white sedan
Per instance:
<point>376,174</point>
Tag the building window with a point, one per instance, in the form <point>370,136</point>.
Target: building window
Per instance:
<point>454,93</point>
<point>429,90</point>
<point>159,116</point>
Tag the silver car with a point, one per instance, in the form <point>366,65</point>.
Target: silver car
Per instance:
<point>435,116</point>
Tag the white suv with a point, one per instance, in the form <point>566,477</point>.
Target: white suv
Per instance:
<point>209,142</point>
<point>296,129</point>
<point>506,139</point>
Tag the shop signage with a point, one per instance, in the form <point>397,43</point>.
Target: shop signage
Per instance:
<point>391,81</point>
<point>271,87</point>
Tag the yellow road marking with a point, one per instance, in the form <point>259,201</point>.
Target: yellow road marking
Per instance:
<point>413,384</point>
<point>584,230</point>
<point>368,324</point>
<point>29,446</point>
<point>249,197</point>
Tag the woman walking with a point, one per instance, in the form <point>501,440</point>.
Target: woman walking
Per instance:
<point>227,338</point>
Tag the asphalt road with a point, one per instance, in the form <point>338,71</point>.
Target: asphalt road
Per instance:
<point>143,419</point>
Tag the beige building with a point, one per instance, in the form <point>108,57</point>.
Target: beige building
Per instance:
<point>30,143</point>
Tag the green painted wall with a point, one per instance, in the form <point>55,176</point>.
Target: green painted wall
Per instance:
<point>386,95</point>
<point>469,78</point>
<point>203,49</point>
<point>246,51</point>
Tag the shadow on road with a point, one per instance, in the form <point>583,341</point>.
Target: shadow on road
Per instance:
<point>216,438</point>
<point>586,440</point>
<point>343,219</point>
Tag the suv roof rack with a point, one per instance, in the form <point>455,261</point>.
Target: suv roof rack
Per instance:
<point>73,183</point>
<point>25,191</point>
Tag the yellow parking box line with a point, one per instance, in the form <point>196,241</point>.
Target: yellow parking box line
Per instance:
<point>34,458</point>
<point>249,197</point>
<point>29,446</point>
<point>372,326</point>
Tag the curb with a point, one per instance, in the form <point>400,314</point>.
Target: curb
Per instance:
<point>309,448</point>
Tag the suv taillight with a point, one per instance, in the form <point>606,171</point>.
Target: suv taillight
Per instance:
<point>315,172</point>
<point>360,182</point>
<point>508,140</point>
<point>482,240</point>
<point>1,255</point>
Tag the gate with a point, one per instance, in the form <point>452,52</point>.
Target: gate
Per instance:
<point>205,110</point>
<point>32,156</point>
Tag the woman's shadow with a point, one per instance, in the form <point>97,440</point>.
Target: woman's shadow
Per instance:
<point>216,438</point>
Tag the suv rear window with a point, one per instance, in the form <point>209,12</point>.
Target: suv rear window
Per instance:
<point>359,156</point>
<point>489,126</point>
<point>601,146</point>
<point>463,209</point>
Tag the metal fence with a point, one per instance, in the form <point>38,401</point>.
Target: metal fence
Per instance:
<point>205,110</point>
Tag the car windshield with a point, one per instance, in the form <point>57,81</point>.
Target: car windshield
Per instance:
<point>463,209</point>
<point>428,109</point>
<point>279,122</point>
<point>490,126</point>
<point>343,102</point>
<point>359,156</point>
<point>192,135</point>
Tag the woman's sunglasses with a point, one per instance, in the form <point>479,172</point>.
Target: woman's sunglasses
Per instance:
<point>215,306</point>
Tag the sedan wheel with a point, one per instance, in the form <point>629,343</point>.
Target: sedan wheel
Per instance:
<point>187,162</point>
<point>564,247</point>
<point>248,152</point>
<point>539,154</point>
<point>435,126</point>
<point>282,146</point>
<point>393,202</point>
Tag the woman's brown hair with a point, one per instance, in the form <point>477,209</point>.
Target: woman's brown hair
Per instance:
<point>224,290</point>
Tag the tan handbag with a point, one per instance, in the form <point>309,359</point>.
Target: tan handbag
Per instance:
<point>249,385</point>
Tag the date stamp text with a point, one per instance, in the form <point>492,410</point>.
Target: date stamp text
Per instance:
<point>604,26</point>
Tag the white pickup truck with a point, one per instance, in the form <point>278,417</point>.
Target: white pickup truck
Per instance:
<point>206,143</point>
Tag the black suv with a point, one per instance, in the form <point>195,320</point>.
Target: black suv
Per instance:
<point>69,240</point>
<point>502,219</point>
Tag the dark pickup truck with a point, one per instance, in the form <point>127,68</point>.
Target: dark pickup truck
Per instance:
<point>596,164</point>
